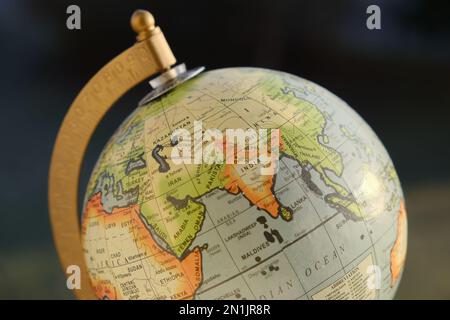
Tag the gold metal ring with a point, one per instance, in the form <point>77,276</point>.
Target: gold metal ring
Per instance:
<point>150,55</point>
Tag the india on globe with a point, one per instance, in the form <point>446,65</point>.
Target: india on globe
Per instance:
<point>328,223</point>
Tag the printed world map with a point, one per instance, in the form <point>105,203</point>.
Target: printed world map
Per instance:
<point>333,211</point>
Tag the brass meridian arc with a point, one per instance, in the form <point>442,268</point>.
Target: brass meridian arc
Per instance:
<point>150,55</point>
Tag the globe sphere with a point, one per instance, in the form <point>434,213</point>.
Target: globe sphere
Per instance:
<point>168,216</point>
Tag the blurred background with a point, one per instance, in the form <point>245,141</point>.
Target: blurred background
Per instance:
<point>397,78</point>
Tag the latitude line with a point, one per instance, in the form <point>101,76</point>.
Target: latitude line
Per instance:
<point>145,254</point>
<point>190,179</point>
<point>325,157</point>
<point>245,210</point>
<point>296,274</point>
<point>273,254</point>
<point>320,219</point>
<point>308,197</point>
<point>207,212</point>
<point>150,256</point>
<point>315,210</point>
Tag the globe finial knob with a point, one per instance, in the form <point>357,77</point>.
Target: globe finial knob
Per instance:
<point>143,23</point>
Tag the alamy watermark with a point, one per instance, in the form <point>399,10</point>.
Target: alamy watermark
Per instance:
<point>234,146</point>
<point>373,21</point>
<point>73,277</point>
<point>73,20</point>
<point>374,277</point>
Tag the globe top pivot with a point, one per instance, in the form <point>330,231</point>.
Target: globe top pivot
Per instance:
<point>143,23</point>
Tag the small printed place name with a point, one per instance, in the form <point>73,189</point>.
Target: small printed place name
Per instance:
<point>227,309</point>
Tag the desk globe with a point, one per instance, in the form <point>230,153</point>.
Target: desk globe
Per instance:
<point>329,223</point>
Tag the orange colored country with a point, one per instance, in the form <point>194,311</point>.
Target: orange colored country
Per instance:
<point>259,194</point>
<point>189,267</point>
<point>398,251</point>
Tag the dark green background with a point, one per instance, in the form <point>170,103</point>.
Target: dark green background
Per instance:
<point>397,78</point>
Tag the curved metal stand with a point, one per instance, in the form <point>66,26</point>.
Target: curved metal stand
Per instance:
<point>150,55</point>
